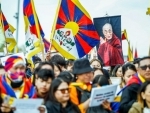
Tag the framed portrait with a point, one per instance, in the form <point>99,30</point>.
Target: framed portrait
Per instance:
<point>110,47</point>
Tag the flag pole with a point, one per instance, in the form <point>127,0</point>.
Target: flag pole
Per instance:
<point>3,29</point>
<point>54,24</point>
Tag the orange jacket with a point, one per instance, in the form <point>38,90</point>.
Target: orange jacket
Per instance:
<point>74,94</point>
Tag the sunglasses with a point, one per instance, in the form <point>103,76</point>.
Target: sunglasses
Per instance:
<point>145,67</point>
<point>63,91</point>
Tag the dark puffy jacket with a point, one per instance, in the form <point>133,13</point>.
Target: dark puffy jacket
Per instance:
<point>54,107</point>
<point>129,96</point>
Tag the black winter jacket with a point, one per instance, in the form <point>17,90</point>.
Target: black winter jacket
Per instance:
<point>55,107</point>
<point>129,96</point>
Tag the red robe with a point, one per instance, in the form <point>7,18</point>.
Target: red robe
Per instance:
<point>111,52</point>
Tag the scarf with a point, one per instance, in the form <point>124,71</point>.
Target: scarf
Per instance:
<point>27,90</point>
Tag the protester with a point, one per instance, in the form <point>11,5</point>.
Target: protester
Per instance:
<point>15,78</point>
<point>42,65</point>
<point>95,63</point>
<point>143,102</point>
<point>57,69</point>
<point>43,82</point>
<point>129,95</point>
<point>84,75</point>
<point>117,71</point>
<point>59,100</point>
<point>101,81</point>
<point>14,83</point>
<point>98,69</point>
<point>128,71</point>
<point>60,61</point>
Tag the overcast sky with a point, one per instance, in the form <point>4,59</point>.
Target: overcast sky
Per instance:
<point>133,14</point>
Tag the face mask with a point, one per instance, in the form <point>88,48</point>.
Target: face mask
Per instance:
<point>15,76</point>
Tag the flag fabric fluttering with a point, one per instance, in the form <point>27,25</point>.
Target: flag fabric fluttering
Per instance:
<point>74,34</point>
<point>2,37</point>
<point>136,53</point>
<point>33,29</point>
<point>132,50</point>
<point>9,30</point>
<point>130,53</point>
<point>124,35</point>
<point>46,44</point>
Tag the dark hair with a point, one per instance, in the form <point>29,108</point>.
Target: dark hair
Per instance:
<point>70,61</point>
<point>1,66</point>
<point>104,71</point>
<point>127,66</point>
<point>143,58</point>
<point>39,68</point>
<point>143,89</point>
<point>115,70</point>
<point>65,75</point>
<point>55,64</point>
<point>45,74</point>
<point>136,60</point>
<point>51,97</point>
<point>54,86</point>
<point>101,64</point>
<point>36,59</point>
<point>59,60</point>
<point>101,80</point>
<point>45,63</point>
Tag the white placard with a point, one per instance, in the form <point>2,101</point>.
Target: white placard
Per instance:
<point>3,59</point>
<point>100,94</point>
<point>115,80</point>
<point>27,105</point>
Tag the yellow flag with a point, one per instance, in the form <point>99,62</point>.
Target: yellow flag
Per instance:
<point>130,53</point>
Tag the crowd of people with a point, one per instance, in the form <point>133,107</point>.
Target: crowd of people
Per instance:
<point>65,86</point>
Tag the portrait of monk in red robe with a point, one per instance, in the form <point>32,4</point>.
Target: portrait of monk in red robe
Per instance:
<point>110,49</point>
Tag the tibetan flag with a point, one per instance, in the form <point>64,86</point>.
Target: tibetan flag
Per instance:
<point>33,29</point>
<point>124,35</point>
<point>2,37</point>
<point>74,32</point>
<point>136,53</point>
<point>9,30</point>
<point>130,54</point>
<point>46,44</point>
